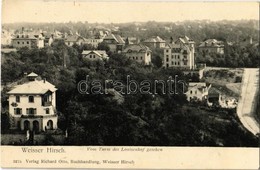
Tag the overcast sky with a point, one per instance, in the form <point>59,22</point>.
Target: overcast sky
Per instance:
<point>117,12</point>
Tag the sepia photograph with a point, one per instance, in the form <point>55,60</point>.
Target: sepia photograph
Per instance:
<point>128,77</point>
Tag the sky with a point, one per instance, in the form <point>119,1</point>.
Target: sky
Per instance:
<point>123,11</point>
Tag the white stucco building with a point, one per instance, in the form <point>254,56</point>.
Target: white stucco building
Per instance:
<point>32,105</point>
<point>198,91</point>
<point>180,54</point>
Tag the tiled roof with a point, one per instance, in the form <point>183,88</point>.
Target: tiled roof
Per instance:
<point>185,40</point>
<point>136,48</point>
<point>212,43</point>
<point>73,38</point>
<point>24,36</point>
<point>154,40</point>
<point>32,74</point>
<point>33,87</point>
<point>100,53</point>
<point>115,37</point>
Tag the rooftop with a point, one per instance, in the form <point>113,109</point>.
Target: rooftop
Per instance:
<point>33,87</point>
<point>136,48</point>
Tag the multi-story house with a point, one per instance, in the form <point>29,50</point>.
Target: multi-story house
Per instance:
<point>115,42</point>
<point>94,55</point>
<point>211,46</point>
<point>139,53</point>
<point>198,91</point>
<point>180,54</point>
<point>155,42</point>
<point>32,105</point>
<point>28,40</point>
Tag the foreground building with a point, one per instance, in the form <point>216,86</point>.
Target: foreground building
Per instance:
<point>198,91</point>
<point>180,54</point>
<point>139,53</point>
<point>32,105</point>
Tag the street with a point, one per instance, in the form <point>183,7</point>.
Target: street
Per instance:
<point>248,100</point>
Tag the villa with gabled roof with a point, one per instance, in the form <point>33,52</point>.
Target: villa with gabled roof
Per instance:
<point>139,53</point>
<point>32,105</point>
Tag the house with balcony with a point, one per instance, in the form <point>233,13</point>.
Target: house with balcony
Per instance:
<point>32,105</point>
<point>198,91</point>
<point>139,53</point>
<point>180,54</point>
<point>94,55</point>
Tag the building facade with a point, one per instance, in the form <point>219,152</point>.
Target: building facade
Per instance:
<point>74,39</point>
<point>28,40</point>
<point>180,54</point>
<point>211,46</point>
<point>32,105</point>
<point>139,53</point>
<point>198,91</point>
<point>115,42</point>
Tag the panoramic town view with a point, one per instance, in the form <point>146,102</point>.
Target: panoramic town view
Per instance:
<point>131,82</point>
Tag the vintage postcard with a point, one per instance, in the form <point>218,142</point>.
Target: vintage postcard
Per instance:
<point>129,84</point>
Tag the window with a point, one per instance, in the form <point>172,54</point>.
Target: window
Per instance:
<point>17,99</point>
<point>22,42</point>
<point>178,57</point>
<point>17,111</point>
<point>47,111</point>
<point>167,59</point>
<point>27,42</point>
<point>18,42</point>
<point>191,92</point>
<point>31,111</point>
<point>172,56</point>
<point>172,62</point>
<point>133,57</point>
<point>136,58</point>
<point>141,58</point>
<point>167,51</point>
<point>93,56</point>
<point>178,63</point>
<point>31,99</point>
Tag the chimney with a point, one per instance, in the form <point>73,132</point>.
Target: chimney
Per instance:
<point>44,80</point>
